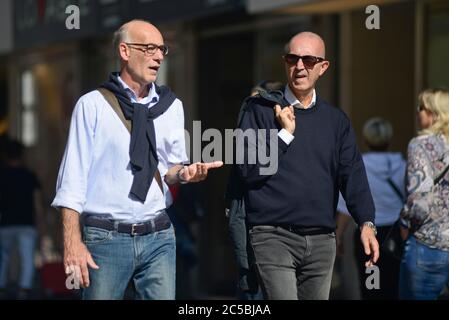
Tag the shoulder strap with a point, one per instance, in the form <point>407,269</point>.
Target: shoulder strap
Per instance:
<point>113,102</point>
<point>392,184</point>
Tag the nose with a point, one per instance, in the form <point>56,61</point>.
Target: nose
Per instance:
<point>158,55</point>
<point>300,64</point>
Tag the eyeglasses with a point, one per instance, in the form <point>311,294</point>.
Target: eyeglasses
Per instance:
<point>149,49</point>
<point>308,61</point>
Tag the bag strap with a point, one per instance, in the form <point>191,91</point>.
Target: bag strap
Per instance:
<point>392,184</point>
<point>442,173</point>
<point>113,102</point>
<point>440,176</point>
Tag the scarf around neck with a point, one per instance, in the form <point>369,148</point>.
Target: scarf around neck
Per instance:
<point>142,148</point>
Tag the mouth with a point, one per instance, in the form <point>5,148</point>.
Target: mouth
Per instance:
<point>300,76</point>
<point>155,68</point>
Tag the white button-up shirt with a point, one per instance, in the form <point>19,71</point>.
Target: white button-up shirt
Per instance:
<point>95,176</point>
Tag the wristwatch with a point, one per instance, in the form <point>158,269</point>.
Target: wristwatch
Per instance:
<point>371,225</point>
<point>178,175</point>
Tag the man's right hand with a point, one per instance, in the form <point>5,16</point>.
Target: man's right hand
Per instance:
<point>285,117</point>
<point>76,260</point>
<point>76,255</point>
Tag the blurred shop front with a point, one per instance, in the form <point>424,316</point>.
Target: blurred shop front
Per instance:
<point>218,50</point>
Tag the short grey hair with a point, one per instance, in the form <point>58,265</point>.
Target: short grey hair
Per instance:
<point>378,133</point>
<point>121,35</point>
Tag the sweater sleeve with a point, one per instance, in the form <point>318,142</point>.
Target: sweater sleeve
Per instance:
<point>352,179</point>
<point>259,147</point>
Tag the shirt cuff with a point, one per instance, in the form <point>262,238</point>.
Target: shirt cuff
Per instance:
<point>286,136</point>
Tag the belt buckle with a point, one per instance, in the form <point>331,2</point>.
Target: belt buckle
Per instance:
<point>133,231</point>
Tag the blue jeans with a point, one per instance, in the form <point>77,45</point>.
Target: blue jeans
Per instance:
<point>149,260</point>
<point>25,237</point>
<point>424,271</point>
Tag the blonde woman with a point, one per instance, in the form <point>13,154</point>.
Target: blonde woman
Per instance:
<point>425,264</point>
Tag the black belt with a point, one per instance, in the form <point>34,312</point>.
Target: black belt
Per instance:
<point>306,231</point>
<point>161,222</point>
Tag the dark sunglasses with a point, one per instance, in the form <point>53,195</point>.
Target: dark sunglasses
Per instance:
<point>308,61</point>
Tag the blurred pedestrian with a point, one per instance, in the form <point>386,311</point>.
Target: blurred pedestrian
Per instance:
<point>386,178</point>
<point>20,211</point>
<point>247,284</point>
<point>425,264</point>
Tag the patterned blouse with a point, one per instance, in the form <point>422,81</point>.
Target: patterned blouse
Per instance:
<point>427,207</point>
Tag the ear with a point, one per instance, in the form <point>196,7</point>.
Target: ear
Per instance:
<point>124,52</point>
<point>324,66</point>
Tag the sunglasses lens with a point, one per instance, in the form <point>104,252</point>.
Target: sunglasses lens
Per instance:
<point>291,58</point>
<point>309,61</point>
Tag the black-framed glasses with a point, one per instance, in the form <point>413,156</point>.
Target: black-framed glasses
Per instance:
<point>149,48</point>
<point>308,61</point>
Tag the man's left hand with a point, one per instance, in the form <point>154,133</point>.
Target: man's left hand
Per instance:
<point>198,171</point>
<point>370,245</point>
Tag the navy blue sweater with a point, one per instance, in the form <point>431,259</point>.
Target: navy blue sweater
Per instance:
<point>321,160</point>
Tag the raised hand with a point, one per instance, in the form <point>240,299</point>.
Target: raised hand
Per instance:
<point>286,118</point>
<point>198,171</point>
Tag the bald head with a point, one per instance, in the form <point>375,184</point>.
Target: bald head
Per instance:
<point>134,31</point>
<point>313,42</point>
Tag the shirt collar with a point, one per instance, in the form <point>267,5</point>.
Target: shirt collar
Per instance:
<point>151,98</point>
<point>292,100</point>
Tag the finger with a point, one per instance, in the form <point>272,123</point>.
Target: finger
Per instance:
<point>291,116</point>
<point>192,170</point>
<point>85,275</point>
<point>78,275</point>
<point>200,169</point>
<point>213,165</point>
<point>376,252</point>
<point>291,109</point>
<point>368,263</point>
<point>366,247</point>
<point>91,262</point>
<point>67,270</point>
<point>286,111</point>
<point>277,110</point>
<point>186,173</point>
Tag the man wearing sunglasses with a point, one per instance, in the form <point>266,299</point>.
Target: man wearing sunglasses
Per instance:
<point>291,213</point>
<point>126,145</point>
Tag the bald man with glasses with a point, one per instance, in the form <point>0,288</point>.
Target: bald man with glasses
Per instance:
<point>291,213</point>
<point>125,147</point>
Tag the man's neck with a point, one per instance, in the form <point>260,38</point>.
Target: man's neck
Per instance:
<point>304,97</point>
<point>140,90</point>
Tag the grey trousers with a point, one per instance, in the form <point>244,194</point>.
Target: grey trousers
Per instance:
<point>292,266</point>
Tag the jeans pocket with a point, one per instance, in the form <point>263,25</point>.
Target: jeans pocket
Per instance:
<point>429,259</point>
<point>166,233</point>
<point>93,235</point>
<point>260,229</point>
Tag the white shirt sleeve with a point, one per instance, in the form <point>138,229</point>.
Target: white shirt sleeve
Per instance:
<point>74,169</point>
<point>286,136</point>
<point>177,153</point>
